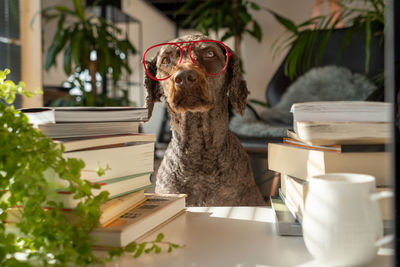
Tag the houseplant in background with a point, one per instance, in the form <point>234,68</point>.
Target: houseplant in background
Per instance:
<point>232,16</point>
<point>311,36</point>
<point>88,43</point>
<point>29,161</point>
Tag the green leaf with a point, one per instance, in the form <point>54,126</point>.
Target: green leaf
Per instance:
<point>226,36</point>
<point>76,40</point>
<point>244,16</point>
<point>64,9</point>
<point>258,102</point>
<point>287,23</point>
<point>160,237</point>
<point>256,32</point>
<point>321,46</point>
<point>255,6</point>
<point>367,43</point>
<point>79,9</point>
<point>139,250</point>
<point>131,247</point>
<point>52,53</point>
<point>201,10</point>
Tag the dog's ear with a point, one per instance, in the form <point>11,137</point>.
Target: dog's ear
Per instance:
<point>237,87</point>
<point>152,86</point>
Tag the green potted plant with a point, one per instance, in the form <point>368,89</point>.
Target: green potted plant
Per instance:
<point>29,161</point>
<point>88,42</point>
<point>232,16</point>
<point>303,37</point>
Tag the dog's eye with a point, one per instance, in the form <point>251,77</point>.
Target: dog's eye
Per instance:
<point>165,61</point>
<point>210,54</point>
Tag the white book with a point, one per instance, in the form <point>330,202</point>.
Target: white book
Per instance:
<point>156,210</point>
<point>98,142</point>
<point>86,114</point>
<point>88,129</point>
<point>116,188</point>
<point>118,161</point>
<point>342,111</point>
<point>332,133</point>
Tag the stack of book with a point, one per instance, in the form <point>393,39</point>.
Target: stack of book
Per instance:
<point>108,137</point>
<point>329,137</point>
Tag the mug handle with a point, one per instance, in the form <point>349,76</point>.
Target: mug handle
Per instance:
<point>375,197</point>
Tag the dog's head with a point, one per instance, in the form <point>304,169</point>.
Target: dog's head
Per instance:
<point>193,75</point>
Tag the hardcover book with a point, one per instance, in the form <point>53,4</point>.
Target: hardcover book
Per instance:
<point>331,133</point>
<point>118,161</point>
<point>303,162</point>
<point>342,148</point>
<point>342,111</point>
<point>110,210</point>
<point>296,193</point>
<point>85,114</point>
<point>285,223</point>
<point>156,210</point>
<point>342,122</point>
<point>99,142</point>
<point>88,129</point>
<point>116,187</point>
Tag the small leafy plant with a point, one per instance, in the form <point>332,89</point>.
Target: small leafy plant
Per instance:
<point>28,160</point>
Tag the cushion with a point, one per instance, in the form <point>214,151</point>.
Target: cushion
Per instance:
<point>328,83</point>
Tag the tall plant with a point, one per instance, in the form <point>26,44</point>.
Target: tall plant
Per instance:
<point>302,37</point>
<point>79,36</point>
<point>232,16</point>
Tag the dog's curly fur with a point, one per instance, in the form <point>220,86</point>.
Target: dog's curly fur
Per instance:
<point>204,159</point>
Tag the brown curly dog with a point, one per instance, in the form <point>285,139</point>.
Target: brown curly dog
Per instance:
<point>204,159</point>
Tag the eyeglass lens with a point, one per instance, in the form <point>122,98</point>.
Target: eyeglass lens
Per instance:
<point>211,56</point>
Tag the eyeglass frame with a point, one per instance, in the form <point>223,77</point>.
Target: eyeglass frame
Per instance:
<point>177,44</point>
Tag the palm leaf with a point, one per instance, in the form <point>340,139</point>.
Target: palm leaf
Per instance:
<point>367,43</point>
<point>285,22</point>
<point>76,40</point>
<point>321,46</point>
<point>256,32</point>
<point>226,36</point>
<point>79,9</point>
<point>67,59</point>
<point>255,6</point>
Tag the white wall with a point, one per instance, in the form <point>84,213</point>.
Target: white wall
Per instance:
<point>257,57</point>
<point>157,28</point>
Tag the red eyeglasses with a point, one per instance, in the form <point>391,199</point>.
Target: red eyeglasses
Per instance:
<point>212,55</point>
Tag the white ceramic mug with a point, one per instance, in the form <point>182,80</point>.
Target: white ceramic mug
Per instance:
<point>342,222</point>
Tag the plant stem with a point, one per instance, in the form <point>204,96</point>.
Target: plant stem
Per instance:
<point>235,7</point>
<point>92,72</point>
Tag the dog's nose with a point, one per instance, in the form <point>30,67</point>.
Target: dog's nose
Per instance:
<point>183,78</point>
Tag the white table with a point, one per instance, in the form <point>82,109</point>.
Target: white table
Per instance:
<point>229,236</point>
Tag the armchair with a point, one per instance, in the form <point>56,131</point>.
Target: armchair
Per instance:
<point>352,58</point>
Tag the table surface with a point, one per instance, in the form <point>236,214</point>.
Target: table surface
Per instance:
<point>230,236</point>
